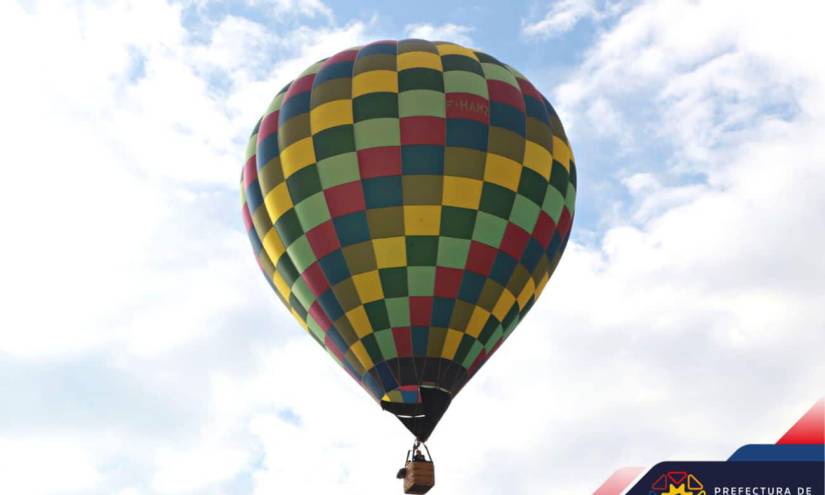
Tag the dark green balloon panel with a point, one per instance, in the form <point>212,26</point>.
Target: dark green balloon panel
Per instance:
<point>408,202</point>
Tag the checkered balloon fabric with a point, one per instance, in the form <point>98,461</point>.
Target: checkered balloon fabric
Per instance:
<point>408,202</point>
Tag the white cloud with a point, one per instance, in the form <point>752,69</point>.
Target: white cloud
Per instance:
<point>236,44</point>
<point>124,238</point>
<point>195,468</point>
<point>456,33</point>
<point>319,431</point>
<point>70,467</point>
<point>708,286</point>
<point>562,17</point>
<point>309,8</point>
<point>128,242</point>
<point>654,51</point>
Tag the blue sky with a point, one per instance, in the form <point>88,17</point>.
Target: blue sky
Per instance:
<point>142,353</point>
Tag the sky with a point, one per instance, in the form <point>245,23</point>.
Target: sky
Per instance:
<point>141,351</point>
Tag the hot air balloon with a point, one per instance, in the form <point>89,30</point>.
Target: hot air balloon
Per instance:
<point>408,201</point>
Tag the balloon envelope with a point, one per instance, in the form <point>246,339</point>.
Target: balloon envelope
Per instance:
<point>408,202</point>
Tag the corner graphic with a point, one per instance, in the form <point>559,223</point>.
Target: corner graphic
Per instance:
<point>795,465</point>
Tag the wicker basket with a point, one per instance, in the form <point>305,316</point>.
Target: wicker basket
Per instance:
<point>420,477</point>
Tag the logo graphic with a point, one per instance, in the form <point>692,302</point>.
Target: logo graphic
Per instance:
<point>677,483</point>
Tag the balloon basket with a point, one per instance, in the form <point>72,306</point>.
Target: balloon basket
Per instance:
<point>418,472</point>
<point>420,477</point>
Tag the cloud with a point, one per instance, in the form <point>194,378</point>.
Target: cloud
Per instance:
<point>130,273</point>
<point>310,8</point>
<point>69,470</point>
<point>139,168</point>
<point>198,467</point>
<point>702,288</point>
<point>456,33</point>
<point>562,17</point>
